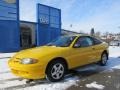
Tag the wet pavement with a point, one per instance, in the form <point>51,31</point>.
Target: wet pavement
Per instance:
<point>98,77</point>
<point>110,80</point>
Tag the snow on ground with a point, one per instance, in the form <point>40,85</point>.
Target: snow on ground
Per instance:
<point>114,51</point>
<point>3,61</point>
<point>9,81</point>
<point>6,55</point>
<point>116,67</point>
<point>56,86</point>
<point>95,85</point>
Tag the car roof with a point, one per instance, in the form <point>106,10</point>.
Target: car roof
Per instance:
<point>78,35</point>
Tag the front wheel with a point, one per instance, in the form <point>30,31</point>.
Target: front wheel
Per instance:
<point>56,71</point>
<point>104,58</point>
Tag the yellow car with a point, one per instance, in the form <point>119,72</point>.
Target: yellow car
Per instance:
<point>54,59</point>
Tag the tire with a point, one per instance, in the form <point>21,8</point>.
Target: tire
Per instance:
<point>56,71</point>
<point>104,59</point>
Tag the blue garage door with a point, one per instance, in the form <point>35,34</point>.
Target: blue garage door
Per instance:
<point>9,26</point>
<point>49,24</point>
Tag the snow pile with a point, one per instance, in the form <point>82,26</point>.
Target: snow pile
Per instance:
<point>116,67</point>
<point>114,51</point>
<point>95,85</point>
<point>109,76</point>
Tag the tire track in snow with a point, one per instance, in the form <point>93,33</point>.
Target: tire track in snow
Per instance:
<point>7,79</point>
<point>11,79</point>
<point>4,72</point>
<point>5,57</point>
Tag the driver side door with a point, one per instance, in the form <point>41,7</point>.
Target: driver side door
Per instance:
<point>82,52</point>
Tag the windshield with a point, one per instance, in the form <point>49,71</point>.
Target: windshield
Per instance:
<point>63,41</point>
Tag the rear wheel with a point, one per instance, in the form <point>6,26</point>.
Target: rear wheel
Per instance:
<point>104,58</point>
<point>56,71</point>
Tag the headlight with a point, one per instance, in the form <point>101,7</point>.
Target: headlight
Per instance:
<point>28,61</point>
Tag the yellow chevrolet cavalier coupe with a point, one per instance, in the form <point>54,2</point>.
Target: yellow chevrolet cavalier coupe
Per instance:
<point>56,58</point>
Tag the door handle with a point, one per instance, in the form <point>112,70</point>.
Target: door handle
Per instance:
<point>93,48</point>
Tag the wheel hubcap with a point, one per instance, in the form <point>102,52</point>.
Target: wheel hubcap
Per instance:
<point>57,71</point>
<point>104,59</point>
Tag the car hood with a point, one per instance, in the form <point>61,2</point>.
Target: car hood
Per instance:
<point>39,52</point>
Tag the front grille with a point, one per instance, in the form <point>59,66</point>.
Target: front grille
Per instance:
<point>19,72</point>
<point>16,60</point>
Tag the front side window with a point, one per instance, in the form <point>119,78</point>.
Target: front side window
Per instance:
<point>63,41</point>
<point>84,42</point>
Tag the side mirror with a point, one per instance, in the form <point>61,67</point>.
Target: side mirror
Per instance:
<point>76,45</point>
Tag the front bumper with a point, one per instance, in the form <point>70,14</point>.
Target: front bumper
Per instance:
<point>32,71</point>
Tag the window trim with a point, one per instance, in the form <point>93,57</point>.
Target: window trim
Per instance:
<point>68,44</point>
<point>81,37</point>
<point>94,41</point>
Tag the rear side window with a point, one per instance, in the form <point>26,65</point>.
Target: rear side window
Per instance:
<point>96,41</point>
